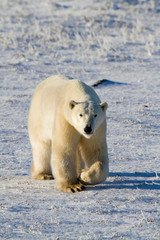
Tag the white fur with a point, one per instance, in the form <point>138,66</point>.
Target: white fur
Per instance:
<point>67,129</point>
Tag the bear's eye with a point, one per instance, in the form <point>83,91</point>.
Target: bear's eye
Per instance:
<point>95,115</point>
<point>81,115</point>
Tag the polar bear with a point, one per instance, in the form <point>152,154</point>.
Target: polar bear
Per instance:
<point>67,131</point>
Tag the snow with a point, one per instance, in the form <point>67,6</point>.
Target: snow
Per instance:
<point>89,40</point>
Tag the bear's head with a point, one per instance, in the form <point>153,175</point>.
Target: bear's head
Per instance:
<point>87,116</point>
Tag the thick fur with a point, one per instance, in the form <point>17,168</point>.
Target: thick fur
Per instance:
<point>67,130</point>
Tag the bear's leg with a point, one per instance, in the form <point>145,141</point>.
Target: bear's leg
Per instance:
<point>95,174</point>
<point>41,169</point>
<point>65,172</point>
<point>95,157</point>
<point>80,163</point>
<point>64,158</point>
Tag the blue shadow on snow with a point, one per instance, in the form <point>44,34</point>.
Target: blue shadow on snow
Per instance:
<point>125,180</point>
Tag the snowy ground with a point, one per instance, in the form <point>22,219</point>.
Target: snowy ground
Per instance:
<point>89,40</point>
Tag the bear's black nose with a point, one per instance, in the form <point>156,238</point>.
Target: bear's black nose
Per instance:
<point>88,129</point>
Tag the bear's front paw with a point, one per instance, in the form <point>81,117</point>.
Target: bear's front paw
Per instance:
<point>84,177</point>
<point>71,188</point>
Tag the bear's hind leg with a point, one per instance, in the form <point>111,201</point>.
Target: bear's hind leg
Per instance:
<point>41,169</point>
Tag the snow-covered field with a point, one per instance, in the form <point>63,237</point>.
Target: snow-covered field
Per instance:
<point>89,40</point>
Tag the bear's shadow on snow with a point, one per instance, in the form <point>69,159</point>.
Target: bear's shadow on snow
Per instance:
<point>124,180</point>
<point>106,82</point>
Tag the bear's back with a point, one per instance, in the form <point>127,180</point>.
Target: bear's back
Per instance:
<point>69,88</point>
<point>80,91</point>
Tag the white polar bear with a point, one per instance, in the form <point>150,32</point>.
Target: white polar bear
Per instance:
<point>67,129</point>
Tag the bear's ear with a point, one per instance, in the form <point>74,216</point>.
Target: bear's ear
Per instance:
<point>72,104</point>
<point>103,106</point>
